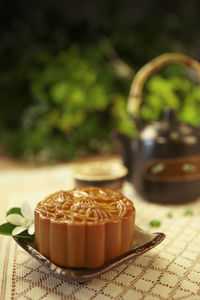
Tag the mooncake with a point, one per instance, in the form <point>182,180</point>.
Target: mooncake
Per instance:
<point>84,227</point>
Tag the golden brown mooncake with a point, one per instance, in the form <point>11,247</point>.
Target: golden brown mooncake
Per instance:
<point>84,227</point>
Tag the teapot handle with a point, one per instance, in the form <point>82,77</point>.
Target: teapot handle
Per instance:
<point>135,95</point>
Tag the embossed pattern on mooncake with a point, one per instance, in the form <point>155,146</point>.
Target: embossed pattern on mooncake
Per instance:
<point>88,204</point>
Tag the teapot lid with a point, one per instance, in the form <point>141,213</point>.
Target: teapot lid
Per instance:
<point>177,138</point>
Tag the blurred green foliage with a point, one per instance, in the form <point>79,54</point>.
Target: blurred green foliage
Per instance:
<point>73,103</point>
<point>178,92</point>
<point>65,73</point>
<point>74,93</point>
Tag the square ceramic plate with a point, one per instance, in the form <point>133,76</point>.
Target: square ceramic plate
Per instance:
<point>143,242</point>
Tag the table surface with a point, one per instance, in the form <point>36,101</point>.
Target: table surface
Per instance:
<point>169,271</point>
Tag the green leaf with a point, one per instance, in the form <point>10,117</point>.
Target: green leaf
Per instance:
<point>25,235</point>
<point>155,223</point>
<point>6,229</point>
<point>188,212</point>
<point>14,210</point>
<point>170,215</point>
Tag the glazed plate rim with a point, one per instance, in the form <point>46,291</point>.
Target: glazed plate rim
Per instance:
<point>81,275</point>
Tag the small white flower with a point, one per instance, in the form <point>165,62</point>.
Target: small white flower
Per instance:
<point>24,222</point>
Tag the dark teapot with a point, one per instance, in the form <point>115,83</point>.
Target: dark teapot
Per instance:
<point>164,159</point>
